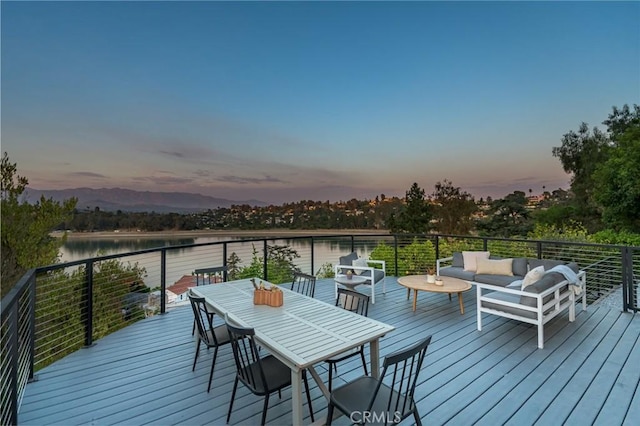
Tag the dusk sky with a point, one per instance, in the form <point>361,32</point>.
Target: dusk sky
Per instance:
<point>283,101</point>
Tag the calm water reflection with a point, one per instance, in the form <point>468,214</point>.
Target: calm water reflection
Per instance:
<point>185,260</point>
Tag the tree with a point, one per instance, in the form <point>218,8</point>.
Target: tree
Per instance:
<point>617,180</point>
<point>604,166</point>
<point>508,217</point>
<point>26,242</point>
<point>453,209</point>
<point>580,154</point>
<point>415,217</point>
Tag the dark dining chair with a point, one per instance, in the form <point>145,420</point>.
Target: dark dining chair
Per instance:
<point>304,284</point>
<point>359,303</point>
<point>387,399</point>
<point>211,275</point>
<point>206,276</point>
<point>212,337</point>
<point>261,375</point>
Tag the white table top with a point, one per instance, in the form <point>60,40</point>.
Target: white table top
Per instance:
<point>303,332</point>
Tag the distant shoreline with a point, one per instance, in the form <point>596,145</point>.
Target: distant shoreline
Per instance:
<point>214,233</point>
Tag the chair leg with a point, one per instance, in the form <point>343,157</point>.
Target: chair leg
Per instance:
<point>329,414</point>
<point>416,417</point>
<point>331,375</point>
<point>233,395</point>
<point>306,388</point>
<point>264,409</point>
<point>196,357</point>
<point>213,365</point>
<point>279,394</point>
<point>364,362</point>
<point>193,329</point>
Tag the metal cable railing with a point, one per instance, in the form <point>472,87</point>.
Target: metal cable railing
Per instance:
<point>57,309</point>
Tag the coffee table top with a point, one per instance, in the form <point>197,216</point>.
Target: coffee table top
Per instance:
<point>353,281</point>
<point>419,282</point>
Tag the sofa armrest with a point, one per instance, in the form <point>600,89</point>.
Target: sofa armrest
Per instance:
<point>444,260</point>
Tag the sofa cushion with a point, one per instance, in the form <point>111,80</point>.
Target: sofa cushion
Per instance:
<point>494,266</point>
<point>470,257</point>
<point>533,276</point>
<point>546,263</point>
<point>378,274</point>
<point>574,267</point>
<point>506,297</point>
<point>361,262</point>
<point>458,260</point>
<point>347,260</point>
<point>545,283</point>
<point>501,280</point>
<point>457,272</point>
<point>520,266</point>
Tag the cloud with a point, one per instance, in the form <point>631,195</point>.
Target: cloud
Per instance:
<point>246,180</point>
<point>87,174</point>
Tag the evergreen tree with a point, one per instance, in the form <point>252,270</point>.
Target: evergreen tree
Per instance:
<point>415,216</point>
<point>26,242</point>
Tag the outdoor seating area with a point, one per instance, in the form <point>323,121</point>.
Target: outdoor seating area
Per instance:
<point>586,374</point>
<point>528,290</point>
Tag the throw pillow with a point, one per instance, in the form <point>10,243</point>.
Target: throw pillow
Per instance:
<point>362,262</point>
<point>494,267</point>
<point>533,276</point>
<point>469,259</point>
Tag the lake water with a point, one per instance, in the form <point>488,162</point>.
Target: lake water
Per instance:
<point>184,261</point>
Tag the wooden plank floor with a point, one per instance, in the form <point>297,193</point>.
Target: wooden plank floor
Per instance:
<point>586,374</point>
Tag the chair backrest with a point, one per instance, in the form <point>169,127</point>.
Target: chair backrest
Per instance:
<point>304,284</point>
<point>353,301</point>
<point>204,319</point>
<point>247,357</point>
<point>400,372</point>
<point>211,275</point>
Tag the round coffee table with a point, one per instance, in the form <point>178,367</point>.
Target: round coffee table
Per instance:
<point>350,282</point>
<point>419,283</point>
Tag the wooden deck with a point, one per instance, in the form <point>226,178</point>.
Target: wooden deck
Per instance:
<point>586,374</point>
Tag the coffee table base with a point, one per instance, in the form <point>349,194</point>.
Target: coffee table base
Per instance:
<point>448,285</point>
<point>415,299</point>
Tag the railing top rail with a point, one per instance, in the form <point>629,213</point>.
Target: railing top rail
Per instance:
<point>298,237</point>
<point>11,297</point>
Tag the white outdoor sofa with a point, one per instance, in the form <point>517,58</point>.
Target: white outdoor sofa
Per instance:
<point>537,304</point>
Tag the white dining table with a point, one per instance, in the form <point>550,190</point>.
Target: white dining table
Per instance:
<point>301,333</point>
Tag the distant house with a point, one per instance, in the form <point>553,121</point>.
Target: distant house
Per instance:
<point>181,287</point>
<point>176,294</point>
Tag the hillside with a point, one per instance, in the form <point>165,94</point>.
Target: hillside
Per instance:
<point>113,199</point>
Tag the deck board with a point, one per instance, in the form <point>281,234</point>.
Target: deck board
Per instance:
<point>141,375</point>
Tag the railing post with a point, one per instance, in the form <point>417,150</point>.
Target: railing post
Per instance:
<point>395,252</point>
<point>32,326</point>
<point>484,244</point>
<point>264,260</point>
<point>437,247</point>
<point>539,249</point>
<point>88,336</point>
<point>163,281</point>
<point>627,279</point>
<point>14,353</point>
<point>224,261</point>
<point>312,255</point>
<point>353,245</point>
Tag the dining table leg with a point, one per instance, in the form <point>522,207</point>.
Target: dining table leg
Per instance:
<point>296,396</point>
<point>374,354</point>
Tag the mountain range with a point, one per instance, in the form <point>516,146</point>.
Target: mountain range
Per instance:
<point>114,199</point>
